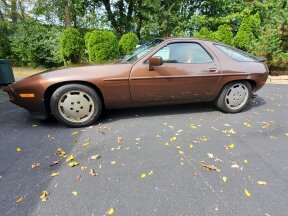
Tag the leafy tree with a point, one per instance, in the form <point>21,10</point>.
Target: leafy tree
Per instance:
<point>102,46</point>
<point>224,34</point>
<point>5,48</point>
<point>128,43</point>
<point>246,32</point>
<point>205,34</point>
<point>72,46</point>
<point>33,44</point>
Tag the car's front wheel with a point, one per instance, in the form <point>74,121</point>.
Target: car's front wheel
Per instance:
<point>76,105</point>
<point>234,97</point>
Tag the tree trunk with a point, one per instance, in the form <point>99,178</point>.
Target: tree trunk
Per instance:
<point>14,15</point>
<point>67,16</point>
<point>111,17</point>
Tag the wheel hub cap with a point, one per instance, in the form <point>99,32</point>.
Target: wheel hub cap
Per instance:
<point>76,106</point>
<point>236,96</point>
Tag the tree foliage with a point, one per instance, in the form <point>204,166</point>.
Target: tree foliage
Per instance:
<point>245,24</point>
<point>33,44</point>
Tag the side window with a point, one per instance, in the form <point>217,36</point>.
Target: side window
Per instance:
<point>235,54</point>
<point>186,53</point>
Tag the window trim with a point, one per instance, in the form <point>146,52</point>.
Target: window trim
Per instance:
<point>177,42</point>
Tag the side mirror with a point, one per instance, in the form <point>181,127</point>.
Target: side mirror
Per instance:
<point>155,61</point>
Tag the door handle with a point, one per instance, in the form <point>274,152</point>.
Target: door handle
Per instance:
<point>213,69</point>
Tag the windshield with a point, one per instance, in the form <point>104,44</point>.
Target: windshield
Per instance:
<point>142,50</point>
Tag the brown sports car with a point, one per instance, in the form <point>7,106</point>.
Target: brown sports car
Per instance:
<point>165,71</point>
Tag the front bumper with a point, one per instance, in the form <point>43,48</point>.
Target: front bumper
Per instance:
<point>35,106</point>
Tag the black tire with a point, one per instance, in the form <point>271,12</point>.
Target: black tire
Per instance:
<point>93,115</point>
<point>222,103</point>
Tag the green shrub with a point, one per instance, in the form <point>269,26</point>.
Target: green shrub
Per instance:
<point>33,44</point>
<point>102,46</point>
<point>72,46</point>
<point>128,43</point>
<point>5,48</point>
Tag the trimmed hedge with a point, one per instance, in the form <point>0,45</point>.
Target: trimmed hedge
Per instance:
<point>72,46</point>
<point>102,46</point>
<point>128,43</point>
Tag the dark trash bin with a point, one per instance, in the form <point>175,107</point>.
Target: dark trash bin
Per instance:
<point>6,73</point>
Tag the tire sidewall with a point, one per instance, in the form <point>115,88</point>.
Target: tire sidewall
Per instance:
<point>70,87</point>
<point>221,104</point>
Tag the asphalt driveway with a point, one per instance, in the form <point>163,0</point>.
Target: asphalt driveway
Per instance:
<point>176,160</point>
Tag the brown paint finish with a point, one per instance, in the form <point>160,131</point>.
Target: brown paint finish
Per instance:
<point>133,84</point>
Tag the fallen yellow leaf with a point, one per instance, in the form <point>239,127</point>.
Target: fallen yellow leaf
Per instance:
<point>262,183</point>
<point>74,133</point>
<point>70,158</point>
<point>18,149</point>
<point>191,146</point>
<point>60,152</point>
<point>178,147</point>
<point>287,134</point>
<point>151,172</point>
<point>231,145</point>
<point>20,199</point>
<point>173,138</point>
<point>54,174</point>
<point>72,164</point>
<point>181,152</point>
<point>44,195</point>
<point>74,193</point>
<point>111,211</point>
<point>224,178</point>
<point>113,162</point>
<point>246,161</point>
<point>143,175</point>
<point>247,124</point>
<point>247,193</point>
<point>86,144</point>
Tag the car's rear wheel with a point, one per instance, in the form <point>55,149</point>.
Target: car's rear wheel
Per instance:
<point>234,97</point>
<point>76,105</point>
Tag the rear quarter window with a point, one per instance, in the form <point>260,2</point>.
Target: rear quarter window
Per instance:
<point>235,54</point>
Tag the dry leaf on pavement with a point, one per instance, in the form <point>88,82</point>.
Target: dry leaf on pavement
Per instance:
<point>20,199</point>
<point>54,174</point>
<point>95,157</point>
<point>247,193</point>
<point>55,163</point>
<point>72,164</point>
<point>44,195</point>
<point>93,172</point>
<point>261,182</point>
<point>111,211</point>
<point>35,165</point>
<point>70,158</point>
<point>60,152</point>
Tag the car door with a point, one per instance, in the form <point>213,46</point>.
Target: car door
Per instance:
<point>189,72</point>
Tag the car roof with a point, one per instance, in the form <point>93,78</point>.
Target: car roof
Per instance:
<point>183,39</point>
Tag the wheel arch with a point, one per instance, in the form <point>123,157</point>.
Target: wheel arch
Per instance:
<point>49,91</point>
